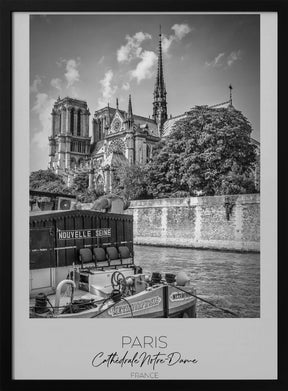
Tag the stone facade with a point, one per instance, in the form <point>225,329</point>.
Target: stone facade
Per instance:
<point>119,138</point>
<point>69,143</point>
<point>218,222</point>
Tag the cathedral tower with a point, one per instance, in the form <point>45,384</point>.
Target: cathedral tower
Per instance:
<point>159,103</point>
<point>69,141</point>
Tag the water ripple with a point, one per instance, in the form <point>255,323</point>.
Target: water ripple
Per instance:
<point>229,280</point>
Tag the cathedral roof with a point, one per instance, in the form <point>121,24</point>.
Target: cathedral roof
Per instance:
<point>137,118</point>
<point>168,125</point>
<point>98,147</point>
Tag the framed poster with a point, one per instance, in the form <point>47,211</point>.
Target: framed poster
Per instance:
<point>211,56</point>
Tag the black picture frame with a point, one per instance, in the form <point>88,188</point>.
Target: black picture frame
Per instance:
<point>7,8</point>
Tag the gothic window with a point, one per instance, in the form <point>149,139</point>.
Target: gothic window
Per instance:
<point>100,129</point>
<point>72,121</point>
<point>148,152</point>
<point>79,123</point>
<point>116,126</point>
<point>95,129</point>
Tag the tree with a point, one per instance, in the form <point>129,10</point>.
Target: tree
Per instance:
<point>80,187</point>
<point>80,182</point>
<point>130,182</point>
<point>209,152</point>
<point>48,180</point>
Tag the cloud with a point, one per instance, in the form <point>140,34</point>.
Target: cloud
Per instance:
<point>36,84</point>
<point>56,83</point>
<point>166,42</point>
<point>144,69</point>
<point>133,48</point>
<point>147,59</point>
<point>222,61</point>
<point>181,30</point>
<point>107,90</point>
<point>216,62</point>
<point>234,56</point>
<point>72,74</point>
<point>126,86</point>
<point>42,108</point>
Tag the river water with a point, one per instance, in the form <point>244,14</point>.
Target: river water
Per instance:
<point>226,279</point>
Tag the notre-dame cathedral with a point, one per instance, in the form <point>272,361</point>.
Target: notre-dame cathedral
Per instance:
<point>118,137</point>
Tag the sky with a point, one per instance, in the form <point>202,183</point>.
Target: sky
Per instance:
<point>98,58</point>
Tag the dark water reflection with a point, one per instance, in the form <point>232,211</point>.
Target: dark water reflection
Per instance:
<point>229,280</point>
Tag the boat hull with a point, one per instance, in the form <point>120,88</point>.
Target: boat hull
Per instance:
<point>161,301</point>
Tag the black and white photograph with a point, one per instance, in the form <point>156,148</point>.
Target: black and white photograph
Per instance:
<point>145,166</point>
<point>145,219</point>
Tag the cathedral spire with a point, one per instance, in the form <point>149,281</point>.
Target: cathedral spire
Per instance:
<point>108,115</point>
<point>160,63</point>
<point>130,113</point>
<point>231,88</point>
<point>159,103</point>
<point>130,118</point>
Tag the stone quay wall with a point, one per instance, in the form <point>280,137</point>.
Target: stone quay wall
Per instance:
<point>218,222</point>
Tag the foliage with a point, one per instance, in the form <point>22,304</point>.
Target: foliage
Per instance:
<point>47,180</point>
<point>130,182</point>
<point>80,182</point>
<point>210,152</point>
<point>89,195</point>
<point>235,182</point>
<point>80,186</point>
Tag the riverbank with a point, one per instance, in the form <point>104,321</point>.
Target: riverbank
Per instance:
<point>220,222</point>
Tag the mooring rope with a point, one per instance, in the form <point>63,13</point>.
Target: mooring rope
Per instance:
<point>206,301</point>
